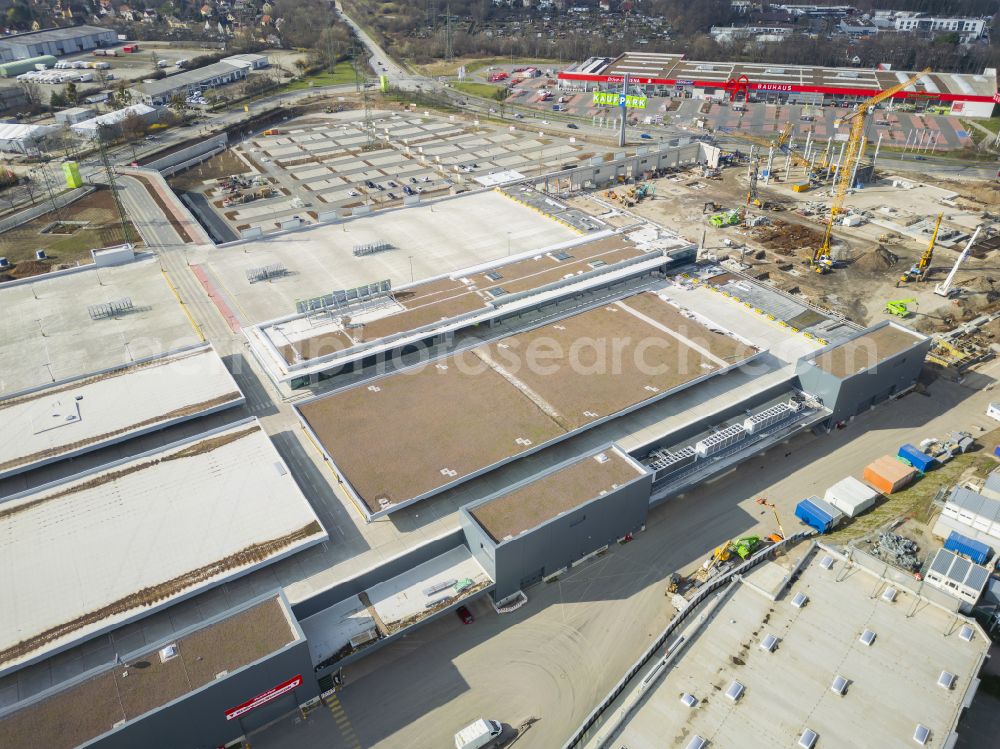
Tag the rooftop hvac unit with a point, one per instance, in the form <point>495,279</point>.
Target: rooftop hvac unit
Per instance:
<point>667,461</point>
<point>722,439</point>
<point>767,418</point>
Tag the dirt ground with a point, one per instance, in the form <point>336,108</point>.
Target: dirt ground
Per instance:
<point>102,228</point>
<point>220,165</point>
<point>779,251</point>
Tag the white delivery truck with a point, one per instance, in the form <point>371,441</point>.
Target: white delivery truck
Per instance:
<point>478,734</point>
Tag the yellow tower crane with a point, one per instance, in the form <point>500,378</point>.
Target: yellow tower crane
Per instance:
<point>919,271</point>
<point>821,260</point>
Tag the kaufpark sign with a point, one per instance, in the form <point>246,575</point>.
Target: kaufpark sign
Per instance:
<point>614,99</point>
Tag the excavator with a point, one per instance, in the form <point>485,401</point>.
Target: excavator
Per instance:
<point>918,272</point>
<point>822,262</point>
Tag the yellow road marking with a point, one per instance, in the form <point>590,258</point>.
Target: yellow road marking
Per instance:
<point>177,296</point>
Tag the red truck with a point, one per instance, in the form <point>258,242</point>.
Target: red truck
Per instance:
<point>130,48</point>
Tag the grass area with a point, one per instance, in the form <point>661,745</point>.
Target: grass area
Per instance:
<point>916,500</point>
<point>102,229</point>
<point>342,73</point>
<point>485,90</point>
<point>992,124</point>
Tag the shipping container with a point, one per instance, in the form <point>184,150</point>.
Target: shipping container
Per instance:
<point>977,551</point>
<point>851,496</point>
<point>888,475</point>
<point>818,514</point>
<point>919,460</point>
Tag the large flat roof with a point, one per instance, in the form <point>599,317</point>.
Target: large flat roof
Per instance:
<point>427,240</point>
<point>69,418</point>
<point>49,336</point>
<point>94,706</point>
<point>867,350</point>
<point>891,684</point>
<point>528,506</point>
<point>55,34</point>
<point>668,69</point>
<point>408,435</point>
<point>443,298</point>
<point>119,542</point>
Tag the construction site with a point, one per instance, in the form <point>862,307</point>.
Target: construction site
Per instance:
<point>368,381</point>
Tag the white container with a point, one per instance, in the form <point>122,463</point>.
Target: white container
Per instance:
<point>851,496</point>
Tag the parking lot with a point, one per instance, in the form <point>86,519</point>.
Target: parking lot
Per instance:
<point>323,166</point>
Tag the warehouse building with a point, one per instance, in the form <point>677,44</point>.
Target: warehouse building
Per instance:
<point>23,139</point>
<point>159,93</point>
<point>57,42</point>
<point>199,686</point>
<point>72,417</point>
<point>815,651</point>
<point>91,128</point>
<point>536,528</point>
<point>670,75</point>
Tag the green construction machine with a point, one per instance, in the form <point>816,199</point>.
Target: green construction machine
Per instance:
<point>729,218</point>
<point>746,546</point>
<point>898,307</point>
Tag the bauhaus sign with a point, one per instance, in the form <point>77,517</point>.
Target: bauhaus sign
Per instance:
<point>264,697</point>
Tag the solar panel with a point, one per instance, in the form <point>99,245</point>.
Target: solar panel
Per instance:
<point>769,643</point>
<point>966,633</point>
<point>959,569</point>
<point>946,680</point>
<point>497,291</point>
<point>977,577</point>
<point>560,256</point>
<point>808,738</point>
<point>493,276</point>
<point>942,562</point>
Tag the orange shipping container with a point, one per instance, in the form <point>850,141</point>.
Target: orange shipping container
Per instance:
<point>888,475</point>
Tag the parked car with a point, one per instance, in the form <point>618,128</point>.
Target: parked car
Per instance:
<point>573,126</point>
<point>646,136</point>
<point>465,615</point>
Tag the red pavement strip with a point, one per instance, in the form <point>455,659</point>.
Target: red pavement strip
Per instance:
<point>219,302</point>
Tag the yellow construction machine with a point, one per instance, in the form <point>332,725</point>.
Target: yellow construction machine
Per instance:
<point>821,260</point>
<point>919,271</point>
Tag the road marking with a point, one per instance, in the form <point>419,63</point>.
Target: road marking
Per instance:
<point>343,722</point>
<point>177,296</point>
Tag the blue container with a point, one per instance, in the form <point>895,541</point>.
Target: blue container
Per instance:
<point>810,513</point>
<point>977,551</point>
<point>919,460</point>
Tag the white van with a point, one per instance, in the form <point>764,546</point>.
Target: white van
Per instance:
<point>478,734</point>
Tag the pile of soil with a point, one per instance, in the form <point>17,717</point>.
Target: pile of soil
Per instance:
<point>29,268</point>
<point>980,284</point>
<point>785,238</point>
<point>878,260</point>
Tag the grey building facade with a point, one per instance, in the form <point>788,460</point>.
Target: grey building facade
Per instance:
<point>207,686</point>
<point>873,366</point>
<point>159,93</point>
<point>592,519</point>
<point>56,42</point>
